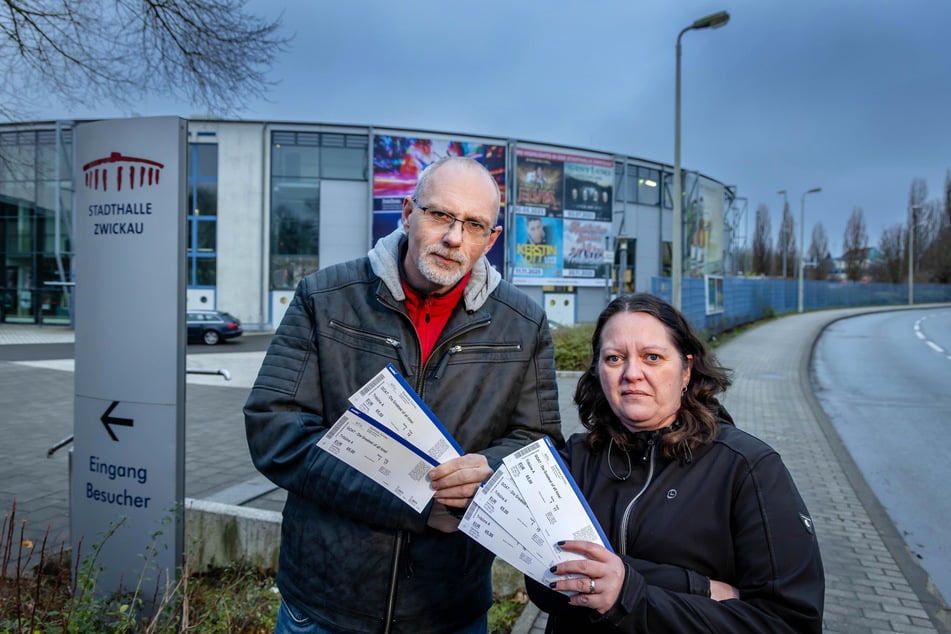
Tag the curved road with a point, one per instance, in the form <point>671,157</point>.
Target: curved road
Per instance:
<point>884,380</point>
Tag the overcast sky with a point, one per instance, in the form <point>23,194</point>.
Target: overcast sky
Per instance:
<point>853,96</point>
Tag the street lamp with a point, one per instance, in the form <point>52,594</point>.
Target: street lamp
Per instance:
<point>782,227</point>
<point>712,21</point>
<point>802,240</point>
<point>911,254</point>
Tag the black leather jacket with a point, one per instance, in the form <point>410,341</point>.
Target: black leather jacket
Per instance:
<point>732,514</point>
<point>353,556</point>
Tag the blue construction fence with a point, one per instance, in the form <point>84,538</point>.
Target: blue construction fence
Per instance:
<point>749,299</point>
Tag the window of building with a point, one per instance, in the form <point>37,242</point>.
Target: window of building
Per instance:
<point>620,192</point>
<point>344,156</point>
<point>202,200</point>
<point>295,206</point>
<point>669,190</point>
<point>648,186</point>
<point>299,160</point>
<point>666,258</point>
<point>625,260</point>
<point>642,185</point>
<point>35,257</point>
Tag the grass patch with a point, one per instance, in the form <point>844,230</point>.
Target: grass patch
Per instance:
<point>505,612</point>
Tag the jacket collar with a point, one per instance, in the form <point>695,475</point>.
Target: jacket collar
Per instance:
<point>384,260</point>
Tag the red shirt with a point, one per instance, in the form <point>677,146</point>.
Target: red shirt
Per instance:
<point>430,313</point>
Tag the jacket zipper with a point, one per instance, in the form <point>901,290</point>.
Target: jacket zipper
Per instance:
<point>444,360</point>
<point>622,537</point>
<point>390,341</point>
<point>394,580</point>
<point>401,534</point>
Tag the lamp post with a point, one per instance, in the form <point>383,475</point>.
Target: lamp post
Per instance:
<point>782,227</point>
<point>712,21</point>
<point>911,254</point>
<point>802,241</point>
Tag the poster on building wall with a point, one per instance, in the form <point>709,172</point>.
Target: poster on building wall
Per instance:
<point>566,199</point>
<point>585,243</point>
<point>397,163</point>
<point>538,251</point>
<point>703,230</point>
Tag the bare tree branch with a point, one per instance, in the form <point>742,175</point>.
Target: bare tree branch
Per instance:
<point>213,53</point>
<point>855,245</point>
<point>786,242</point>
<point>762,243</point>
<point>894,253</point>
<point>819,253</point>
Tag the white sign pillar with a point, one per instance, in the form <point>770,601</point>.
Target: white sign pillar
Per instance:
<point>128,463</point>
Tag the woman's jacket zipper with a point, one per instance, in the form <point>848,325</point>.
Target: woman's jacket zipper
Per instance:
<point>626,517</point>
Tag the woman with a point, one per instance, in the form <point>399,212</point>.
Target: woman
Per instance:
<point>708,529</point>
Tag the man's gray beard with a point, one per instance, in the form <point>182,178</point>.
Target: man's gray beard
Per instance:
<point>438,275</point>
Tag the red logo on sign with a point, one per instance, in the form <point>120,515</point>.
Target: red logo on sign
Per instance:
<point>118,171</point>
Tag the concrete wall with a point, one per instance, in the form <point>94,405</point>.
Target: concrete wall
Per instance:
<point>220,534</point>
<point>344,235</point>
<point>217,535</point>
<point>242,216</point>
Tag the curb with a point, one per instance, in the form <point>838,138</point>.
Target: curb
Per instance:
<point>525,621</point>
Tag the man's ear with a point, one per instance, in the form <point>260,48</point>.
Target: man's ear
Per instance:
<point>408,207</point>
<point>492,238</point>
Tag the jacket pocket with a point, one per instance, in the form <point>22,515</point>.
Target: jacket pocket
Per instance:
<point>367,341</point>
<point>487,353</point>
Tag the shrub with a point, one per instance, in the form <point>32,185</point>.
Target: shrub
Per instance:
<point>39,592</point>
<point>573,347</point>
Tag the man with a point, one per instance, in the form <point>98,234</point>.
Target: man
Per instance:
<point>354,558</point>
<point>537,177</point>
<point>536,231</point>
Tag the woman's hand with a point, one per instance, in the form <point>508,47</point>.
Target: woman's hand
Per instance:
<point>601,575</point>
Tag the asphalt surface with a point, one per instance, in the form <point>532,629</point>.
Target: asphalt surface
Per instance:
<point>883,380</point>
<point>873,583</point>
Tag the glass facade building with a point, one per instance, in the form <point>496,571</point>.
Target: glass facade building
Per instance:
<point>35,215</point>
<point>269,202</point>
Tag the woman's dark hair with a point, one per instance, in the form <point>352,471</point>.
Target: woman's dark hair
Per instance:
<point>697,419</point>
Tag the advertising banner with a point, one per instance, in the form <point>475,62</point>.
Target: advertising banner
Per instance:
<point>562,217</point>
<point>703,230</point>
<point>397,163</point>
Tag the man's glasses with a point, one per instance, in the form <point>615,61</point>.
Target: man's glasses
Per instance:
<point>473,228</point>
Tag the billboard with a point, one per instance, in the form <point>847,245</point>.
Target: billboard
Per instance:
<point>397,163</point>
<point>567,201</point>
<point>703,230</point>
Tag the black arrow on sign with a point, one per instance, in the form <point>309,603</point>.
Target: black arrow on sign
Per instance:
<point>114,420</point>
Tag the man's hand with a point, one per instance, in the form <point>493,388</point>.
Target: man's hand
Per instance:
<point>457,480</point>
<point>722,591</point>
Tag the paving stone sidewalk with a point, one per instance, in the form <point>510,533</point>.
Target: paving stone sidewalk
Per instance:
<point>873,584</point>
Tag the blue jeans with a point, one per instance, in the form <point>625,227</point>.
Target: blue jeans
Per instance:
<point>290,620</point>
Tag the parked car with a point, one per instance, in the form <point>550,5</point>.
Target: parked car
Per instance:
<point>212,326</point>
